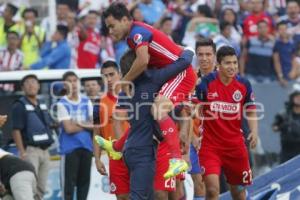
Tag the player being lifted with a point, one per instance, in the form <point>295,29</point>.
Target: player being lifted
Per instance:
<point>154,49</point>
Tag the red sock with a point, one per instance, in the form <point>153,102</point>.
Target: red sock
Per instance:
<point>119,144</point>
<point>170,133</point>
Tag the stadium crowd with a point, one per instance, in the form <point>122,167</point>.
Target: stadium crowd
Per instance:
<point>265,36</point>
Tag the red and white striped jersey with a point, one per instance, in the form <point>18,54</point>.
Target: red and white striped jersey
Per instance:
<point>10,61</point>
<point>161,48</point>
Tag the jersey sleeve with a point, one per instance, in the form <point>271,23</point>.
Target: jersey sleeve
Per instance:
<point>201,90</point>
<point>250,98</point>
<point>139,36</point>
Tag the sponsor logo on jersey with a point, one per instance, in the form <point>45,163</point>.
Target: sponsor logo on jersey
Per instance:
<point>137,38</point>
<point>224,107</point>
<point>237,96</point>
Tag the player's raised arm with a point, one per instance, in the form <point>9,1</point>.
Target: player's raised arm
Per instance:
<point>139,65</point>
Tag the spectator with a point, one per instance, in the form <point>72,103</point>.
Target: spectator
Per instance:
<point>251,22</point>
<point>225,39</point>
<point>295,72</point>
<point>11,58</point>
<point>137,14</point>
<point>74,113</point>
<point>31,130</point>
<point>7,23</point>
<point>62,10</point>
<point>90,41</point>
<point>228,15</point>
<point>204,24</point>
<point>227,4</point>
<point>32,37</point>
<point>92,89</point>
<point>292,18</point>
<point>287,124</point>
<point>166,26</point>
<point>152,10</point>
<point>256,59</point>
<point>73,38</point>
<point>58,57</point>
<point>17,178</point>
<point>283,54</point>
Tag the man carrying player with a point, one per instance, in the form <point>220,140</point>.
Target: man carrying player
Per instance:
<point>154,49</point>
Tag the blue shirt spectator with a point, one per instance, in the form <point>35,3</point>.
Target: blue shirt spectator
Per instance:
<point>152,10</point>
<point>285,51</point>
<point>58,57</point>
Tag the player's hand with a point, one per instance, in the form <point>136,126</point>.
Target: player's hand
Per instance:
<point>101,167</point>
<point>252,138</point>
<point>3,119</point>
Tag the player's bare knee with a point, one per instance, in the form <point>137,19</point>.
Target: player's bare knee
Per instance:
<point>212,192</point>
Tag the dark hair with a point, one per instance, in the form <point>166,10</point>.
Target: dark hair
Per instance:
<point>93,12</point>
<point>205,10</point>
<point>221,19</point>
<point>33,76</point>
<point>13,9</point>
<point>164,20</point>
<point>68,74</point>
<point>110,63</point>
<point>223,25</point>
<point>225,51</point>
<point>27,10</point>
<point>12,32</point>
<point>126,61</point>
<point>117,10</point>
<point>281,23</point>
<point>62,29</point>
<point>204,42</point>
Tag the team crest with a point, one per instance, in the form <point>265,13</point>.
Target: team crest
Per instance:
<point>252,97</point>
<point>137,38</point>
<point>113,187</point>
<point>237,96</point>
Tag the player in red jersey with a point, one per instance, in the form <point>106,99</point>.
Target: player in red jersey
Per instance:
<point>226,97</point>
<point>154,49</point>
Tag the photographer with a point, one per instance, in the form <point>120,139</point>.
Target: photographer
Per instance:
<point>288,124</point>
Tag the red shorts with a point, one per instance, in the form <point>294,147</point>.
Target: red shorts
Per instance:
<point>178,88</point>
<point>234,163</point>
<point>162,165</point>
<point>118,177</point>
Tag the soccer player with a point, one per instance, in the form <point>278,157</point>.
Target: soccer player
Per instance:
<point>140,149</point>
<point>226,97</point>
<point>102,114</point>
<point>206,56</point>
<point>153,49</point>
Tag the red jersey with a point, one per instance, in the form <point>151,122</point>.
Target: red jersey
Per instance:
<point>88,50</point>
<point>250,24</point>
<point>223,110</point>
<point>161,48</point>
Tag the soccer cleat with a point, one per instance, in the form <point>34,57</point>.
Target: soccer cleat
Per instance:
<point>176,166</point>
<point>107,145</point>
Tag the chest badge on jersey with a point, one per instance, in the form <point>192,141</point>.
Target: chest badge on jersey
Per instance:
<point>237,96</point>
<point>137,38</point>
